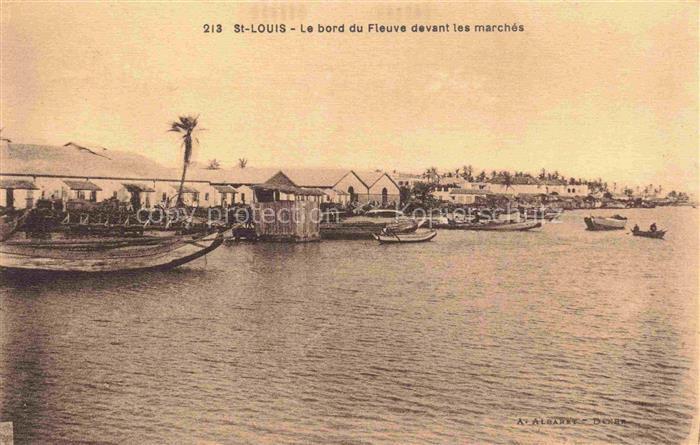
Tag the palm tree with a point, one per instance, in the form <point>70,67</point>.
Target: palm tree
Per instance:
<point>242,162</point>
<point>185,126</point>
<point>432,175</point>
<point>214,164</point>
<point>507,179</point>
<point>467,172</point>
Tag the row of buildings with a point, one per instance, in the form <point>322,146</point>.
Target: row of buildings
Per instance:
<point>75,173</point>
<point>461,191</point>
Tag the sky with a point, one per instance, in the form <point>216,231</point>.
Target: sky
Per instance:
<point>589,89</point>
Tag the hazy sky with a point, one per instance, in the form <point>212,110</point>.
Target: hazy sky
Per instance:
<point>605,89</point>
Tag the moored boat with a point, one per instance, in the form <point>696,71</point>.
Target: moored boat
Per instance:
<point>361,227</point>
<point>105,254</point>
<point>389,237</point>
<point>505,226</point>
<point>656,234</point>
<point>615,222</point>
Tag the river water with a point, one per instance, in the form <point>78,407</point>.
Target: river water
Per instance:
<point>470,338</point>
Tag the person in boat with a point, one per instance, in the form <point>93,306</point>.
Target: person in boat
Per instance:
<point>652,227</point>
<point>635,228</point>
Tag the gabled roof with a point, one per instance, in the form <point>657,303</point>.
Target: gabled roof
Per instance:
<point>377,176</point>
<point>351,172</point>
<point>82,185</point>
<point>225,189</point>
<point>281,182</point>
<point>369,177</point>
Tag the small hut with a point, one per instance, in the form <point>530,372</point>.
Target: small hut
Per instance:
<point>284,211</point>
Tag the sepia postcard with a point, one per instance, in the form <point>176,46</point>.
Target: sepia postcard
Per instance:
<point>308,222</point>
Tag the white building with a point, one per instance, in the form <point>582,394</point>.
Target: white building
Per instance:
<point>29,172</point>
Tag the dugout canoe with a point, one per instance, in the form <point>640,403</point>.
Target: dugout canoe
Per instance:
<point>100,255</point>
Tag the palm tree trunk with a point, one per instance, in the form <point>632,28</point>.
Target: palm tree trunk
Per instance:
<point>182,183</point>
<point>186,161</point>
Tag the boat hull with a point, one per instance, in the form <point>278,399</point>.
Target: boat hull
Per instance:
<point>659,234</point>
<point>365,228</point>
<point>595,223</point>
<point>397,238</point>
<point>504,227</point>
<point>105,256</point>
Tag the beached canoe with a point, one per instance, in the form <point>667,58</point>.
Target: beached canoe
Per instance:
<point>416,237</point>
<point>615,222</point>
<point>100,254</point>
<point>657,234</point>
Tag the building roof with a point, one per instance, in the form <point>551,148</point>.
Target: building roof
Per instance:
<point>32,159</point>
<point>74,160</point>
<point>316,177</point>
<point>185,188</point>
<point>461,191</point>
<point>281,182</point>
<point>225,189</point>
<point>17,184</point>
<point>553,182</point>
<point>82,185</point>
<point>235,175</point>
<point>137,187</point>
<point>515,180</point>
<point>371,178</point>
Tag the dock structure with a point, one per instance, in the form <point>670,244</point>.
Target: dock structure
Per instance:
<point>286,212</point>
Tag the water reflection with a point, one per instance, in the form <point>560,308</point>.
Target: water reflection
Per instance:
<point>339,342</point>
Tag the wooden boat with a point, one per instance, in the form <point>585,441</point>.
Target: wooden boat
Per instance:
<point>657,234</point>
<point>505,226</point>
<point>360,227</point>
<point>615,222</point>
<point>403,226</point>
<point>387,237</point>
<point>105,254</point>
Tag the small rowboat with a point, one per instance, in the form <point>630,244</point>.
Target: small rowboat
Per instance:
<point>658,234</point>
<point>417,237</point>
